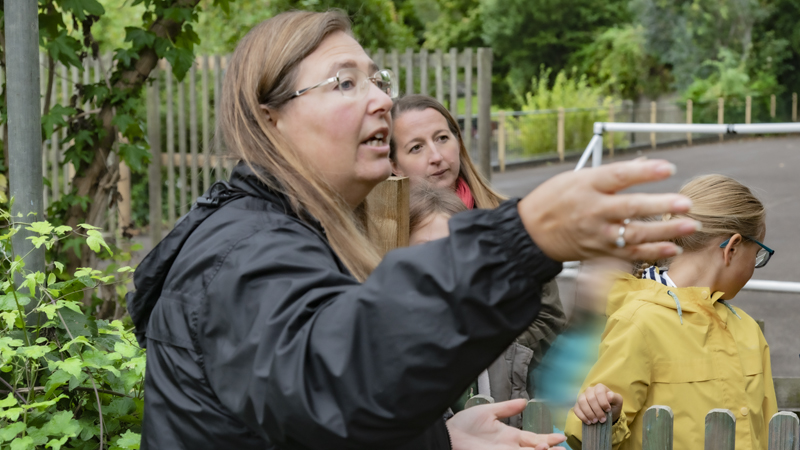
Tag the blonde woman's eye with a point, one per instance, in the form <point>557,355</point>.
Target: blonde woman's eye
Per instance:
<point>443,138</point>
<point>415,149</point>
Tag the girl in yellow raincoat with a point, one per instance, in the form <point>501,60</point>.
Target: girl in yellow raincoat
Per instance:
<point>672,339</point>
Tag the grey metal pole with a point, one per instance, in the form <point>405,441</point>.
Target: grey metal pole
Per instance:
<point>24,124</point>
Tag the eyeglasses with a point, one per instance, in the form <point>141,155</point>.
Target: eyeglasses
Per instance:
<point>354,83</point>
<point>763,255</point>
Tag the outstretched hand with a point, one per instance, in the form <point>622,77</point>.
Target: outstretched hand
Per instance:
<point>479,428</point>
<point>577,215</point>
<point>595,402</point>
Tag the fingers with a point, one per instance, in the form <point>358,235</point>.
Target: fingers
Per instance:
<point>626,206</point>
<point>528,439</point>
<point>592,405</point>
<point>638,232</point>
<point>615,177</point>
<point>509,408</point>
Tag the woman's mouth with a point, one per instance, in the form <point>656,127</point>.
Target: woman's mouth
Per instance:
<point>439,173</point>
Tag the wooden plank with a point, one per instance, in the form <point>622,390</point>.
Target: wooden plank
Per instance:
<point>409,63</point>
<point>657,428</point>
<point>653,111</point>
<point>387,214</point>
<point>437,64</point>
<point>182,144</point>
<point>55,145</point>
<point>228,160</point>
<point>501,140</point>
<point>689,119</point>
<point>478,400</point>
<point>454,83</point>
<point>423,71</point>
<point>154,170</point>
<point>86,69</point>
<point>536,418</point>
<point>794,106</point>
<point>395,60</point>
<point>217,96</point>
<point>560,134</point>
<point>597,436</point>
<point>177,158</point>
<point>192,141</point>
<point>45,151</point>
<point>65,100</point>
<point>170,142</point>
<point>124,202</point>
<point>611,133</point>
<point>67,169</point>
<point>485,111</point>
<point>787,391</point>
<point>772,106</point>
<point>720,430</point>
<point>206,126</point>
<point>721,114</point>
<point>784,431</point>
<point>380,58</point>
<point>748,105</point>
<point>468,100</point>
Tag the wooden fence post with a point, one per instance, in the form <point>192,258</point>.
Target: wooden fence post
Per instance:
<point>657,428</point>
<point>478,400</point>
<point>689,119</point>
<point>611,133</point>
<point>794,106</point>
<point>784,431</point>
<point>181,148</point>
<point>721,114</point>
<point>536,418</point>
<point>217,99</point>
<point>468,100</point>
<point>124,203</point>
<point>501,140</point>
<point>485,111</point>
<point>193,144</point>
<point>206,126</point>
<point>438,63</point>
<point>409,63</point>
<point>387,214</point>
<point>154,175</point>
<point>772,106</point>
<point>720,430</point>
<point>170,143</point>
<point>423,71</point>
<point>454,83</point>
<point>653,120</point>
<point>560,134</point>
<point>598,436</point>
<point>748,104</point>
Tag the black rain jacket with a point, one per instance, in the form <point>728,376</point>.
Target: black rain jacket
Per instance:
<point>258,337</point>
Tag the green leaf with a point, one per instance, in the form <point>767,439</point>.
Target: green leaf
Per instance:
<point>62,229</point>
<point>139,37</point>
<point>78,323</point>
<point>86,226</point>
<point>10,318</point>
<point>10,400</point>
<point>126,350</point>
<point>9,432</point>
<point>55,381</point>
<point>62,424</point>
<point>30,283</point>
<point>44,404</point>
<point>56,444</point>
<point>59,266</point>
<point>51,122</point>
<point>38,241</point>
<point>40,227</point>
<point>80,8</point>
<point>96,242</point>
<point>129,440</point>
<point>71,366</point>
<point>35,351</point>
<point>65,49</point>
<point>135,156</point>
<point>48,309</point>
<point>51,279</point>
<point>25,443</point>
<point>7,302</point>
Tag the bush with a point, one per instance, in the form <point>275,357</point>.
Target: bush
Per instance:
<point>67,380</point>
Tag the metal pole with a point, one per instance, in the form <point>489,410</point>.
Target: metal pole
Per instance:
<point>24,125</point>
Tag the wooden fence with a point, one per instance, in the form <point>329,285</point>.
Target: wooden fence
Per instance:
<point>657,428</point>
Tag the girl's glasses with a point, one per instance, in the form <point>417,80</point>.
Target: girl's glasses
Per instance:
<point>355,83</point>
<point>763,255</point>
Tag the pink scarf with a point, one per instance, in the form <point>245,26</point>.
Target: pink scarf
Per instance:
<point>463,192</point>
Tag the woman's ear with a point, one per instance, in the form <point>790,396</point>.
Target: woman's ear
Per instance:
<point>272,115</point>
<point>732,249</point>
<point>396,169</point>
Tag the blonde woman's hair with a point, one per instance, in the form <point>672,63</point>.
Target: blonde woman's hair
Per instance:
<point>263,71</point>
<point>724,206</point>
<point>426,200</point>
<point>485,197</point>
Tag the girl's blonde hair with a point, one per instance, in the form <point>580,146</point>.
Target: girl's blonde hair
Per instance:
<point>724,207</point>
<point>485,197</point>
<point>262,72</point>
<point>426,200</point>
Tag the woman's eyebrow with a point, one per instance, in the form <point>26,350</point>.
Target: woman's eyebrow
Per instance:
<point>351,64</point>
<point>420,139</point>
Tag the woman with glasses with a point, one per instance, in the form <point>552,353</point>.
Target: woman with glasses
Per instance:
<point>673,339</point>
<point>270,321</point>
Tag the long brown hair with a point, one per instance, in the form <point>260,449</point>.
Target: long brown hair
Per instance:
<point>263,71</point>
<point>426,200</point>
<point>485,196</point>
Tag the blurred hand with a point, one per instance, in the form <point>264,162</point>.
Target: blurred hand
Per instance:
<point>577,216</point>
<point>595,402</point>
<point>594,282</point>
<point>478,428</point>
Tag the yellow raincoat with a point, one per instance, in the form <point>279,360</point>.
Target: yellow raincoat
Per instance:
<point>682,348</point>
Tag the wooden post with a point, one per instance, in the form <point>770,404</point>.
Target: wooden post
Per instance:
<point>598,436</point>
<point>784,431</point>
<point>124,203</point>
<point>387,214</point>
<point>181,146</point>
<point>689,119</point>
<point>380,58</point>
<point>748,104</point>
<point>721,115</point>
<point>653,120</point>
<point>154,170</point>
<point>395,59</point>
<point>794,106</point>
<point>437,61</point>
<point>423,71</point>
<point>772,106</point>
<point>454,83</point>
<point>193,144</point>
<point>217,99</point>
<point>478,400</point>
<point>485,111</point>
<point>501,140</point>
<point>206,126</point>
<point>611,133</point>
<point>409,63</point>
<point>560,134</point>
<point>468,100</point>
<point>657,428</point>
<point>536,418</point>
<point>171,142</point>
<point>720,430</point>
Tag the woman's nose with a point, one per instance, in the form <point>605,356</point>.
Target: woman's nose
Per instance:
<point>379,101</point>
<point>435,156</point>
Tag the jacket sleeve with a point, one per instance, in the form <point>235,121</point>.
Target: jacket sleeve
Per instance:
<point>770,405</point>
<point>624,366</point>
<point>547,325</point>
<point>310,358</point>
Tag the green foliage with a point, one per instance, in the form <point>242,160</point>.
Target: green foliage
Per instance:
<point>67,379</point>
<point>617,61</point>
<point>536,133</point>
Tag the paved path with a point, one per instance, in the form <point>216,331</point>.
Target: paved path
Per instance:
<point>771,167</point>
